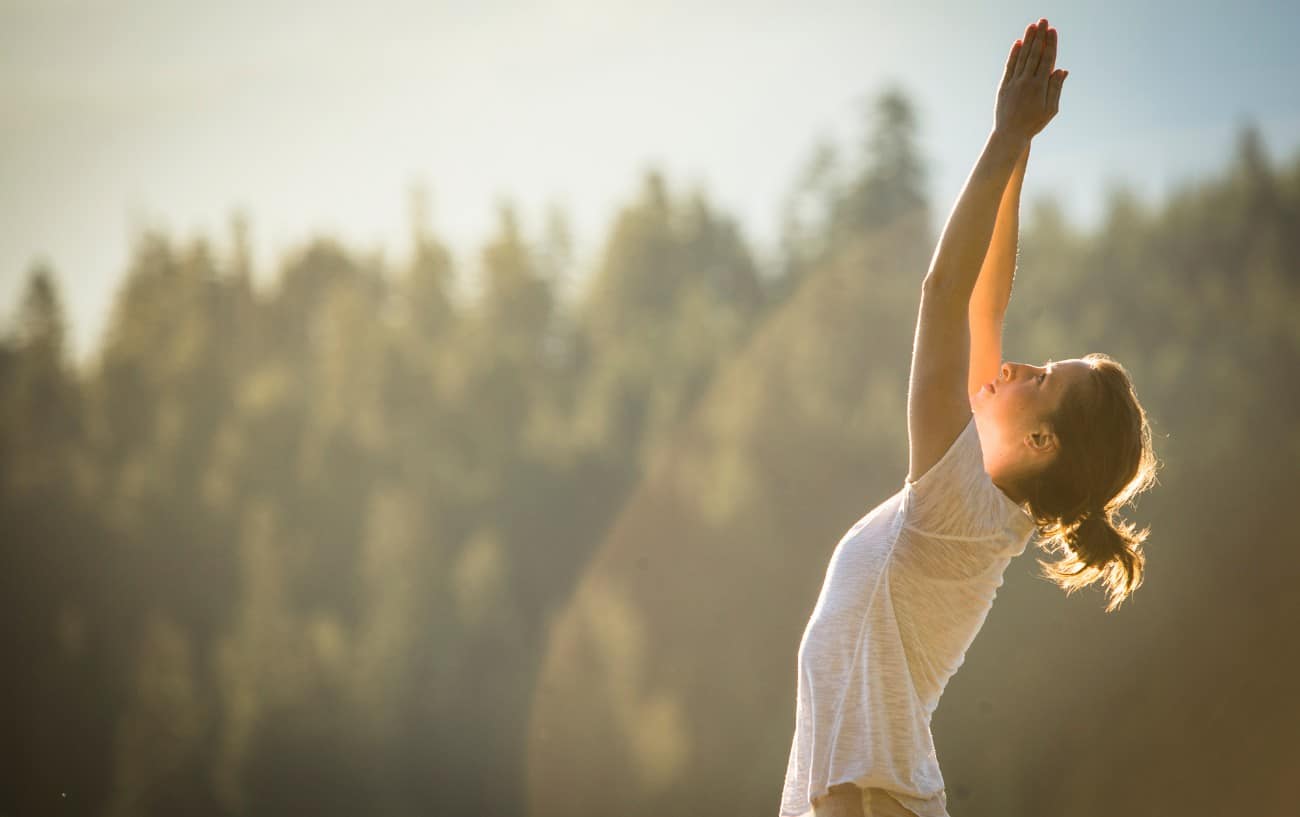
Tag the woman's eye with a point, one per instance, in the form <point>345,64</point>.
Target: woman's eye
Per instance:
<point>1042,377</point>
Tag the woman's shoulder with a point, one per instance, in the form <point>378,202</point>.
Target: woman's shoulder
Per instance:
<point>963,458</point>
<point>957,497</point>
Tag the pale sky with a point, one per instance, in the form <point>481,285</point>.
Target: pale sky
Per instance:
<point>318,117</point>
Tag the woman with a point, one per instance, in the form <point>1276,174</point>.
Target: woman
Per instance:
<point>998,452</point>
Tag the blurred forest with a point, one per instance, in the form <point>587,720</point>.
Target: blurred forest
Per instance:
<point>370,543</point>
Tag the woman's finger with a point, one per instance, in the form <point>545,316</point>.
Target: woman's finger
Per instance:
<point>1022,61</point>
<point>1036,53</point>
<point>1011,62</point>
<point>1048,62</point>
<point>1054,83</point>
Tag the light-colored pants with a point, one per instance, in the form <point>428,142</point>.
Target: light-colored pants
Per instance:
<point>847,800</point>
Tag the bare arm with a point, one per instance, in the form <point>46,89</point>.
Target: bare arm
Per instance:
<point>988,303</point>
<point>938,405</point>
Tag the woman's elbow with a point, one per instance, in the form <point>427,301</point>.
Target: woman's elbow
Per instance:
<point>940,288</point>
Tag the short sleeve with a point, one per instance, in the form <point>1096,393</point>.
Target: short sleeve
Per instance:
<point>957,497</point>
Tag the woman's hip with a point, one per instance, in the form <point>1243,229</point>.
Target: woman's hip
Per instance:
<point>847,800</point>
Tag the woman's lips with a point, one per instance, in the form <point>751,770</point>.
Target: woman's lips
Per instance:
<point>992,388</point>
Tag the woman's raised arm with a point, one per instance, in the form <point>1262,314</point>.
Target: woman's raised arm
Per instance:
<point>988,303</point>
<point>938,406</point>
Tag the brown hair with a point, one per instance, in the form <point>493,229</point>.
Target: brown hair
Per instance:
<point>1105,460</point>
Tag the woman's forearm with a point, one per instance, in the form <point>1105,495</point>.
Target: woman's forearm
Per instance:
<point>993,289</point>
<point>964,243</point>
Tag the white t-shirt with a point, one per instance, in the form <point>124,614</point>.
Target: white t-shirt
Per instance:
<point>906,591</point>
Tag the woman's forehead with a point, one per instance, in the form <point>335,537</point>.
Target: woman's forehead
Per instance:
<point>1074,362</point>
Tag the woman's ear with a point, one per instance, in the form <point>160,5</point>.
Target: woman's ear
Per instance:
<point>1042,440</point>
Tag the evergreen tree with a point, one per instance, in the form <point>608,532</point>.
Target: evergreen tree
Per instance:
<point>891,181</point>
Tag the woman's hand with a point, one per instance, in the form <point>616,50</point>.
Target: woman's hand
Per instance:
<point>1030,92</point>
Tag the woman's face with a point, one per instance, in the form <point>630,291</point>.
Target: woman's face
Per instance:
<point>1011,413</point>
